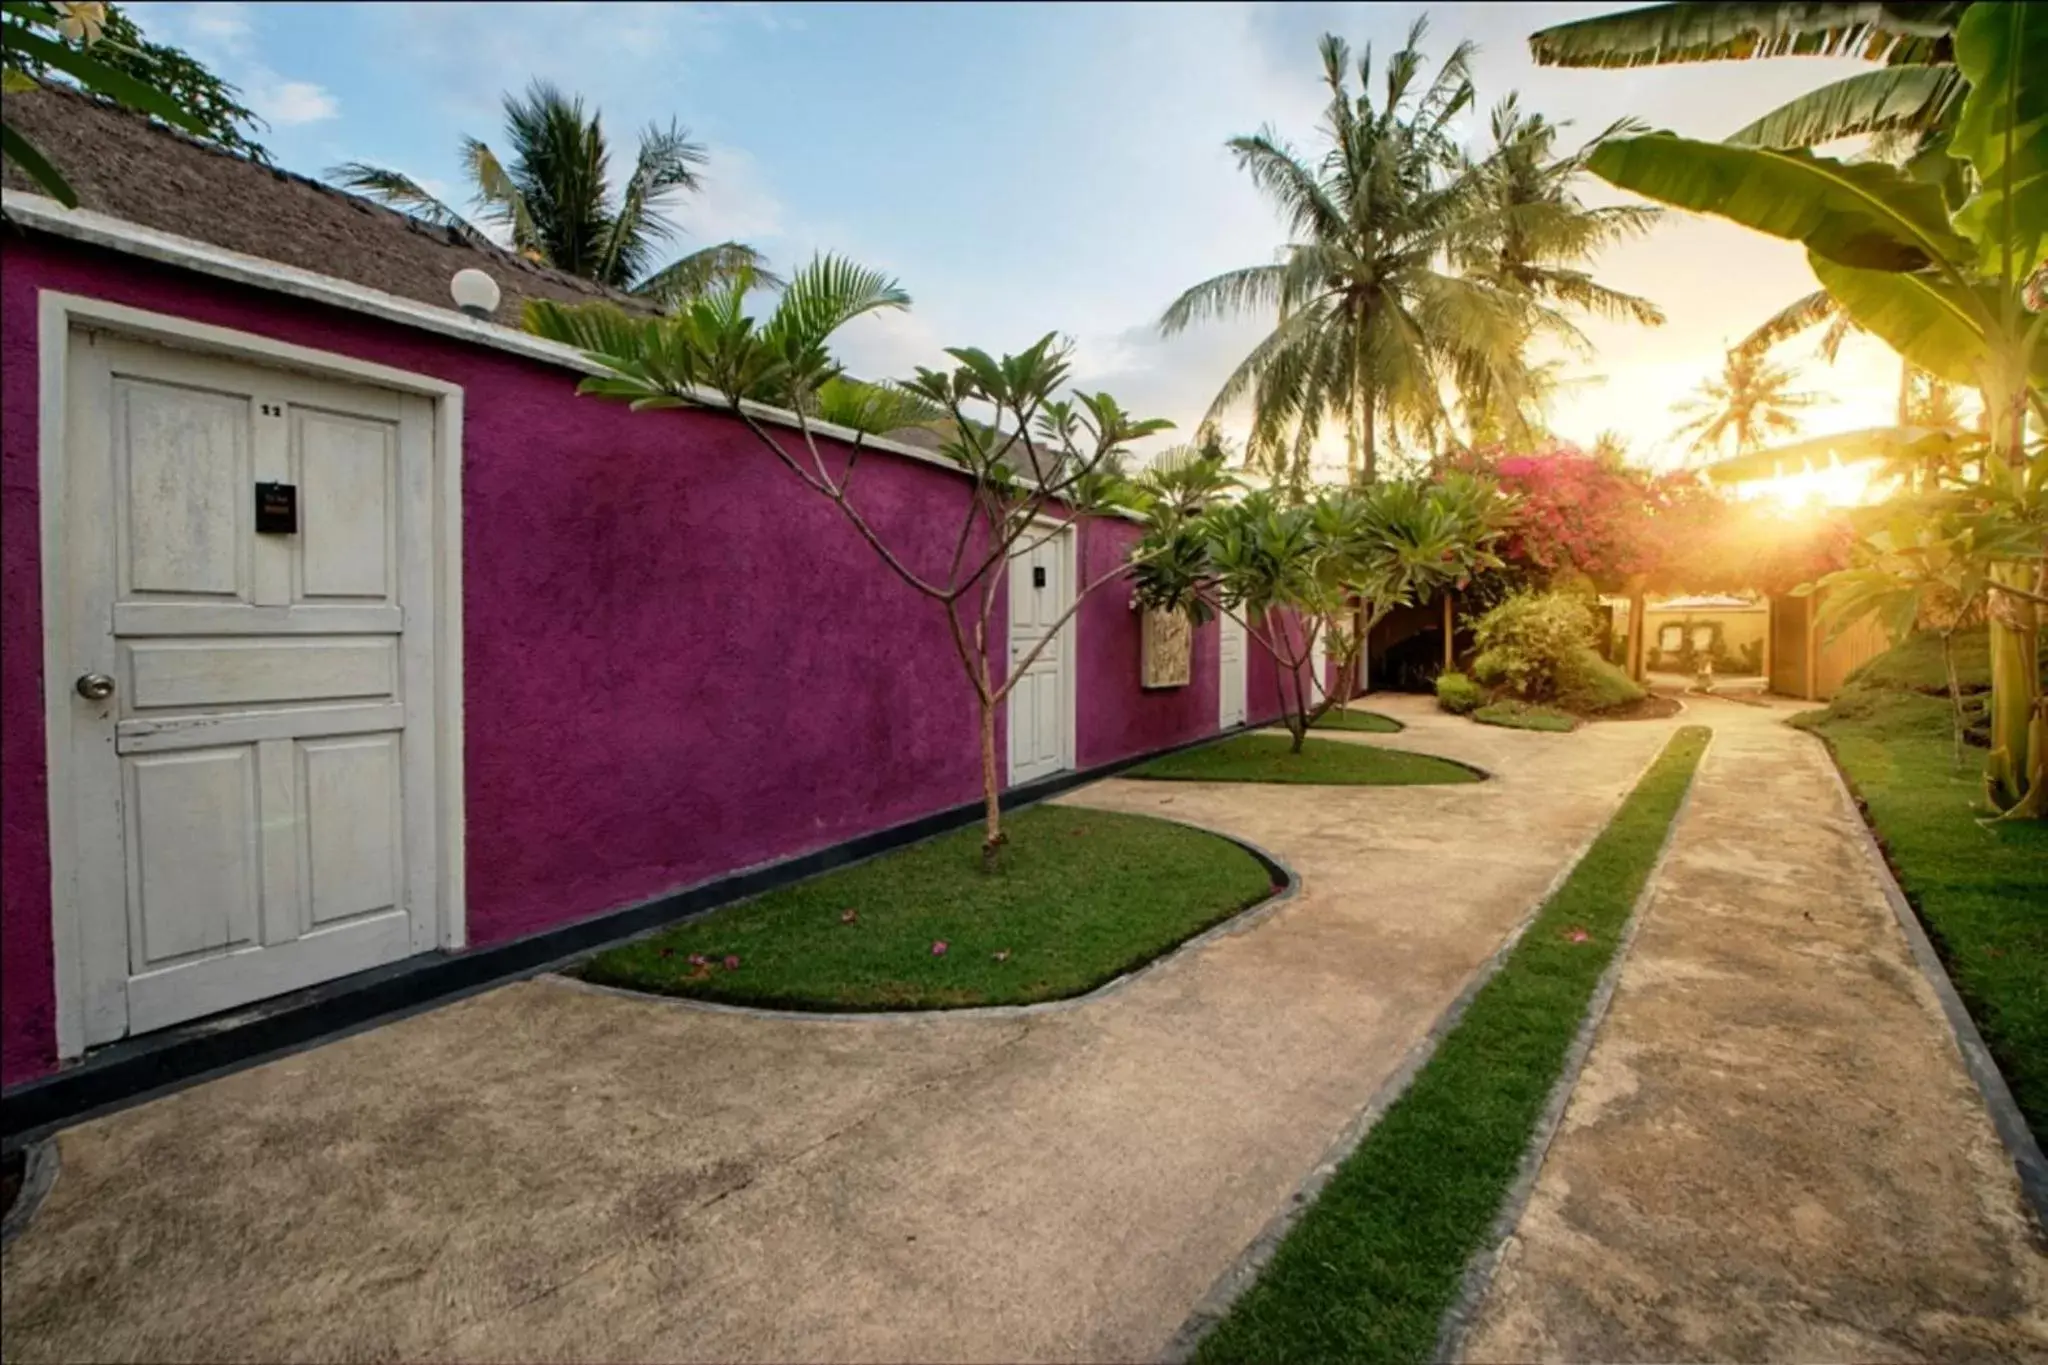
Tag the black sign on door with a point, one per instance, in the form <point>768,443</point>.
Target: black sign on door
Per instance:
<point>277,509</point>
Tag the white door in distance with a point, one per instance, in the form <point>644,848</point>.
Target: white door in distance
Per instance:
<point>1042,702</point>
<point>250,590</point>
<point>1231,660</point>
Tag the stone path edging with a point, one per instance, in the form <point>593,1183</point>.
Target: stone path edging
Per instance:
<point>1243,1272</point>
<point>1248,918</point>
<point>1479,1271</point>
<point>2006,1117</point>
<point>38,1178</point>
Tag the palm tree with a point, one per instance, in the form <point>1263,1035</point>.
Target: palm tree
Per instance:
<point>1371,322</point>
<point>555,202</point>
<point>1749,401</point>
<point>1531,234</point>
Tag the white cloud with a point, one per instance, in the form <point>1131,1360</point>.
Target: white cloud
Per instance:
<point>224,36</point>
<point>736,203</point>
<point>288,104</point>
<point>223,26</point>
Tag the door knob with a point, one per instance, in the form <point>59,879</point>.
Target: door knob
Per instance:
<point>94,686</point>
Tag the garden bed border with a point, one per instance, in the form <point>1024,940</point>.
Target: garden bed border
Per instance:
<point>2011,1125</point>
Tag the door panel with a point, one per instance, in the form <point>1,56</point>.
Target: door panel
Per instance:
<point>346,470</point>
<point>268,751</point>
<point>194,884</point>
<point>164,674</point>
<point>184,473</point>
<point>350,795</point>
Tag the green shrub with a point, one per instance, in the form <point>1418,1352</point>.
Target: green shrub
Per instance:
<point>1534,644</point>
<point>1589,683</point>
<point>1458,694</point>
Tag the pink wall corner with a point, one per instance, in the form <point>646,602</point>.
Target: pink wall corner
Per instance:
<point>28,1031</point>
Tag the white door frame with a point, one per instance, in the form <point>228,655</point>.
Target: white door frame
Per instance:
<point>1068,541</point>
<point>57,315</point>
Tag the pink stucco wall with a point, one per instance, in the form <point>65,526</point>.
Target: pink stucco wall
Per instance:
<point>678,662</point>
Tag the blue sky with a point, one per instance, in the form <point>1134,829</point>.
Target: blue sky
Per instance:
<point>1021,168</point>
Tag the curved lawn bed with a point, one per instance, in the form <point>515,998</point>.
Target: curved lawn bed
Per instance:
<point>1267,757</point>
<point>1364,722</point>
<point>1521,715</point>
<point>1081,897</point>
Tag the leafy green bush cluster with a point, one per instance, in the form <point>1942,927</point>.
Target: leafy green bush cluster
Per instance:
<point>1458,694</point>
<point>1590,683</point>
<point>1538,647</point>
<point>1531,642</point>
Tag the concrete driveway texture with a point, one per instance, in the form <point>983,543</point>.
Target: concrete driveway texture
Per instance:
<point>549,1172</point>
<point>1774,1151</point>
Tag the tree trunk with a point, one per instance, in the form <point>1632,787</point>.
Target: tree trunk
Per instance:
<point>1369,465</point>
<point>991,781</point>
<point>2012,770</point>
<point>1450,652</point>
<point>1636,625</point>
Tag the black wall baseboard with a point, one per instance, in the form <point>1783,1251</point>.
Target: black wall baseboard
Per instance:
<point>137,1069</point>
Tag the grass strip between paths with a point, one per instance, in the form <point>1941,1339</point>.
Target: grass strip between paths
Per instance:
<point>1375,1262</point>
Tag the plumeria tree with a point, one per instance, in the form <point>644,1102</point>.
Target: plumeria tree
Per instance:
<point>1321,572</point>
<point>1036,464</point>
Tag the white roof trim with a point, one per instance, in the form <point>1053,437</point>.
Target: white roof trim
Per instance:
<point>133,239</point>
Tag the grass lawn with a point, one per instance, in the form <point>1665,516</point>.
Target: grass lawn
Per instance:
<point>1981,890</point>
<point>1521,715</point>
<point>1370,1269</point>
<point>1365,722</point>
<point>1081,896</point>
<point>1265,757</point>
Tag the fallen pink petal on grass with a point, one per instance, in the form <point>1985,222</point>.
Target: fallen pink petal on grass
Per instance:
<point>732,964</point>
<point>938,947</point>
<point>849,916</point>
<point>697,959</point>
<point>1578,936</point>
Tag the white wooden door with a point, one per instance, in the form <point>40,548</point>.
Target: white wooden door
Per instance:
<point>254,797</point>
<point>1231,690</point>
<point>1041,704</point>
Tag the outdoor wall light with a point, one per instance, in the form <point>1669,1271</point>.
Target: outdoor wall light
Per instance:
<point>475,293</point>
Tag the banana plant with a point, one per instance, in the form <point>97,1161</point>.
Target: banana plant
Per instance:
<point>1947,287</point>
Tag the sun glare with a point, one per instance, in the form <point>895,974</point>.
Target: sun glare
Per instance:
<point>1834,485</point>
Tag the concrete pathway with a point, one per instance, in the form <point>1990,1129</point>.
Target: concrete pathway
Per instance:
<point>548,1172</point>
<point>1774,1152</point>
